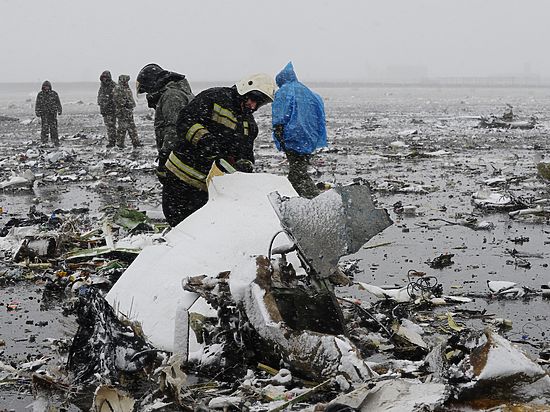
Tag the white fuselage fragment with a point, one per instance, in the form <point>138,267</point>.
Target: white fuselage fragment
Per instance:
<point>236,224</point>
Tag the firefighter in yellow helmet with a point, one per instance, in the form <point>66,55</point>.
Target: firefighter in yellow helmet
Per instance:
<point>217,124</point>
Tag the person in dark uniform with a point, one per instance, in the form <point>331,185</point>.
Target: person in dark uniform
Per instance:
<point>167,92</point>
<point>124,107</point>
<point>106,102</point>
<point>47,107</point>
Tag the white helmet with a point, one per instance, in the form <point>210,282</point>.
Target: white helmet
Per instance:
<point>260,82</point>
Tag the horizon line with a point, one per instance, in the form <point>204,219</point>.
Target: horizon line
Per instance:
<point>448,81</point>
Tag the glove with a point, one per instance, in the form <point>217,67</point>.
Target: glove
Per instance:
<point>244,165</point>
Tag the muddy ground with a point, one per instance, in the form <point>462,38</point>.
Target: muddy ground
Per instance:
<point>373,132</point>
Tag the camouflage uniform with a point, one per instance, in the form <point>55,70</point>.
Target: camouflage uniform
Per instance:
<point>124,104</point>
<point>299,177</point>
<point>106,102</point>
<point>167,92</point>
<point>47,107</point>
<point>174,96</point>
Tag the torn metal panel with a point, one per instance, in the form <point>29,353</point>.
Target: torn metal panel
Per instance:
<point>308,352</point>
<point>397,395</point>
<point>480,363</point>
<point>317,312</point>
<point>345,218</point>
<point>36,247</point>
<point>109,398</point>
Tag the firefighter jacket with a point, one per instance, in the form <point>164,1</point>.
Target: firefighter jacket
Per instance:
<point>47,102</point>
<point>105,97</point>
<point>173,97</point>
<point>212,126</point>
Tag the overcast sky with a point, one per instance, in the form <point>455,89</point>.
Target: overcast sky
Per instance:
<point>223,40</point>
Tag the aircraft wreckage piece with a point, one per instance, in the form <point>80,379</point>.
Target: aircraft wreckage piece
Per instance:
<point>220,242</point>
<point>296,318</point>
<point>480,363</point>
<point>279,321</point>
<point>316,346</point>
<point>104,348</point>
<point>396,395</point>
<point>237,222</point>
<point>345,218</point>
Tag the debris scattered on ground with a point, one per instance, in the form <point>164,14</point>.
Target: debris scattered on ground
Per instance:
<point>441,261</point>
<point>507,121</point>
<point>381,335</point>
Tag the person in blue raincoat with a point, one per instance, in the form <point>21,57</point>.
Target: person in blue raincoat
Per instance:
<point>298,128</point>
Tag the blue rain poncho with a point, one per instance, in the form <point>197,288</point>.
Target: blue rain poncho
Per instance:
<point>301,112</point>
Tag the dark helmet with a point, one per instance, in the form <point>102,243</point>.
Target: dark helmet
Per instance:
<point>147,78</point>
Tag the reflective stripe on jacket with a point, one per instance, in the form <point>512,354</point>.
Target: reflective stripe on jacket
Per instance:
<point>212,126</point>
<point>186,173</point>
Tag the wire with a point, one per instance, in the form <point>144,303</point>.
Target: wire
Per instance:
<point>366,312</point>
<point>424,286</point>
<point>271,243</point>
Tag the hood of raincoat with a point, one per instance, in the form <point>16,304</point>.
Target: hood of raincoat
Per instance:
<point>286,75</point>
<point>301,112</point>
<point>106,75</point>
<point>47,84</point>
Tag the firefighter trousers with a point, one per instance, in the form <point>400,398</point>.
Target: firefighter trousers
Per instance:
<point>179,200</point>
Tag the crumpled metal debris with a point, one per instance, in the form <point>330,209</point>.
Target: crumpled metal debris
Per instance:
<point>479,363</point>
<point>297,324</point>
<point>23,180</point>
<point>502,201</point>
<point>396,395</point>
<point>103,347</point>
<point>507,121</point>
<point>109,398</point>
<point>345,217</point>
<point>441,261</point>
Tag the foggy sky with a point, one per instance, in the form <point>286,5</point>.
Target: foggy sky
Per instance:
<point>223,40</point>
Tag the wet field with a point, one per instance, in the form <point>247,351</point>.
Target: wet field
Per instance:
<point>397,138</point>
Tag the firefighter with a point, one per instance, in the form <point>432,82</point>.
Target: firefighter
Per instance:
<point>47,107</point>
<point>217,124</point>
<point>167,92</point>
